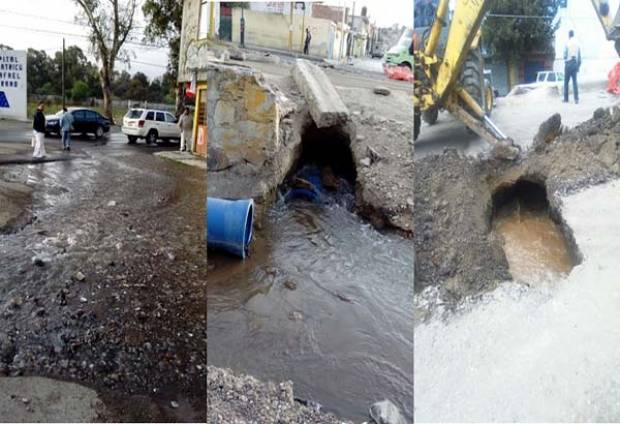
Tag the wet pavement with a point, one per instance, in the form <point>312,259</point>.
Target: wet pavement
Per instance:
<point>105,285</point>
<point>324,300</point>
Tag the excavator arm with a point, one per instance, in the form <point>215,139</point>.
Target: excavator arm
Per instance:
<point>610,24</point>
<point>436,82</point>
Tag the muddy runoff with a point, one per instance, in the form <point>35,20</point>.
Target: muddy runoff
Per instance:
<point>516,293</point>
<point>324,298</point>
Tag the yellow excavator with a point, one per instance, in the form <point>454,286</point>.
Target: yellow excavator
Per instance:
<point>449,70</point>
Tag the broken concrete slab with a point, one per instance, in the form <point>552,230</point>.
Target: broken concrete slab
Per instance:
<point>38,399</point>
<point>15,199</point>
<point>326,107</point>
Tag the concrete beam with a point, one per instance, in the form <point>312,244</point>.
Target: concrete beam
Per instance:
<point>326,107</point>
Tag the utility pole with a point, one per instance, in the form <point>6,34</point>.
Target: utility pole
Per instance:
<point>62,72</point>
<point>212,21</point>
<point>290,30</point>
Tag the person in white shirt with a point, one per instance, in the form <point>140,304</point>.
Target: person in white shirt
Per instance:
<point>572,63</point>
<point>186,124</point>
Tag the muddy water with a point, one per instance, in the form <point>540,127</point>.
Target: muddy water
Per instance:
<point>534,245</point>
<point>324,301</point>
<point>544,353</point>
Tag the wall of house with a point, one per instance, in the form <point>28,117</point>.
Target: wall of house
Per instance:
<point>271,30</point>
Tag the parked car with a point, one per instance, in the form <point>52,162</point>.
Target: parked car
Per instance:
<point>85,121</point>
<point>151,125</point>
<point>552,79</point>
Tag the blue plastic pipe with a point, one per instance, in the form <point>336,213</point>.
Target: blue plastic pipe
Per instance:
<point>229,225</point>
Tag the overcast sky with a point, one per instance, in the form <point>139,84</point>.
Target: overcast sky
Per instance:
<point>40,24</point>
<point>383,12</point>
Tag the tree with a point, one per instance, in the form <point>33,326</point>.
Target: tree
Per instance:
<point>138,87</point>
<point>165,20</point>
<point>40,73</point>
<point>511,38</point>
<point>80,91</point>
<point>77,68</point>
<point>110,24</point>
<point>120,85</point>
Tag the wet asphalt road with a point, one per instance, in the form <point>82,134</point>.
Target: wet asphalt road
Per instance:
<point>106,284</point>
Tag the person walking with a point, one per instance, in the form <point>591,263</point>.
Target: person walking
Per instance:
<point>66,122</point>
<point>186,125</point>
<point>38,127</point>
<point>572,63</point>
<point>307,42</point>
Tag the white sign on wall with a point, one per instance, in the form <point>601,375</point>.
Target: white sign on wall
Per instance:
<point>13,84</point>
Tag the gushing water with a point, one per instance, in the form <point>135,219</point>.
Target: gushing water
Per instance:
<point>545,353</point>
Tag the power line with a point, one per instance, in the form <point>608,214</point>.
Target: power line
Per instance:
<point>28,15</point>
<point>66,34</point>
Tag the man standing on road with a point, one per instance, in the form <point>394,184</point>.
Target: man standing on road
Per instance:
<point>38,127</point>
<point>66,121</point>
<point>572,63</point>
<point>186,125</point>
<point>307,42</point>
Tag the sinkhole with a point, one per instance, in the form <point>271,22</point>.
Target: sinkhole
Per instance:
<point>324,170</point>
<point>537,244</point>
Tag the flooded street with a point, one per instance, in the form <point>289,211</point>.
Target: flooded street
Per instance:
<point>325,301</point>
<point>104,285</point>
<point>540,353</point>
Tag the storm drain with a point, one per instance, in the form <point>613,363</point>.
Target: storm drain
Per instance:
<point>324,170</point>
<point>535,244</point>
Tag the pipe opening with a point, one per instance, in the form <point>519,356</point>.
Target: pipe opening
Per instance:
<point>324,170</point>
<point>535,241</point>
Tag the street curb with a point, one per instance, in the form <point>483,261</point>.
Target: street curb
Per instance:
<point>30,160</point>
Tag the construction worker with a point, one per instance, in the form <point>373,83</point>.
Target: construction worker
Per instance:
<point>572,63</point>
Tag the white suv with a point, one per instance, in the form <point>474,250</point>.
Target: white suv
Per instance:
<point>151,125</point>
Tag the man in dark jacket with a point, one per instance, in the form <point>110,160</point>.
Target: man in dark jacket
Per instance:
<point>38,127</point>
<point>307,42</point>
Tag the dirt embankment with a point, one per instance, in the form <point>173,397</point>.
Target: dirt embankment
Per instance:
<point>239,398</point>
<point>455,247</point>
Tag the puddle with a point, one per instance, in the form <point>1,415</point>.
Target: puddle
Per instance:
<point>535,246</point>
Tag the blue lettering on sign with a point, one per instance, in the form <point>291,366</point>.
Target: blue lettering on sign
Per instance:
<point>3,100</point>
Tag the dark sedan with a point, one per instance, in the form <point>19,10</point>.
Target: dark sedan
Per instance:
<point>85,121</point>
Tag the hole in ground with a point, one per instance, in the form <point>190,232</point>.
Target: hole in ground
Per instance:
<point>535,243</point>
<point>324,169</point>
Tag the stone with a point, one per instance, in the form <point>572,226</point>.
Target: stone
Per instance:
<point>326,107</point>
<point>366,162</point>
<point>174,404</point>
<point>384,91</point>
<point>373,154</point>
<point>600,113</point>
<point>78,276</point>
<point>295,316</point>
<point>36,261</point>
<point>328,179</point>
<point>504,150</point>
<point>111,203</point>
<point>548,130</point>
<point>289,284</point>
<point>385,412</point>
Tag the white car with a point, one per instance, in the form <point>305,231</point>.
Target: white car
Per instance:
<point>151,125</point>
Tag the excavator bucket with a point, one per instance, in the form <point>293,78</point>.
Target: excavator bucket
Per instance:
<point>609,20</point>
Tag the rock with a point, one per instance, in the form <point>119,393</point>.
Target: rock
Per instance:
<point>360,138</point>
<point>301,183</point>
<point>328,179</point>
<point>289,284</point>
<point>295,316</point>
<point>505,150</point>
<point>78,276</point>
<point>174,404</point>
<point>366,161</point>
<point>170,256</point>
<point>36,261</point>
<point>600,113</point>
<point>385,412</point>
<point>16,302</point>
<point>410,201</point>
<point>373,154</point>
<point>384,91</point>
<point>111,203</point>
<point>548,131</point>
<point>83,299</point>
<point>343,298</point>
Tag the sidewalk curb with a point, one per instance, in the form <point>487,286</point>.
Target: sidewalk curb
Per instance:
<point>30,160</point>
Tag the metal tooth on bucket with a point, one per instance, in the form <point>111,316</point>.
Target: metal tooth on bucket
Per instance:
<point>229,225</point>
